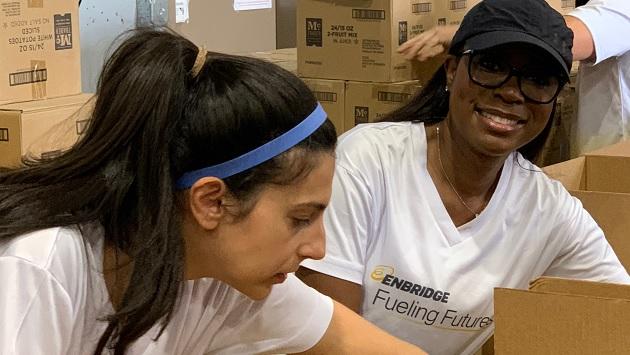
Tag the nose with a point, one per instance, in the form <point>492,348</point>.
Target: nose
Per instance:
<point>510,91</point>
<point>315,246</point>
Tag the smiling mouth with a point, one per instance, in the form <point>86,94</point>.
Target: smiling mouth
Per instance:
<point>500,119</point>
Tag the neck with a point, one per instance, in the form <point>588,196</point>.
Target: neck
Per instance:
<point>471,173</point>
<point>198,262</point>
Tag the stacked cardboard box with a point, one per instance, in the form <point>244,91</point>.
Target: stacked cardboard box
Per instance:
<point>332,95</point>
<point>40,75</point>
<point>562,6</point>
<point>357,40</point>
<point>558,145</point>
<point>346,52</point>
<point>285,58</point>
<point>41,128</point>
<point>451,12</point>
<point>39,42</point>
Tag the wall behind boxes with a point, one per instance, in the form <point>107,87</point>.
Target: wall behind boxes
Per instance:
<point>102,21</point>
<point>215,24</point>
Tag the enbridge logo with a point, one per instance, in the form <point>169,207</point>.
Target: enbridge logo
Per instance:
<point>428,305</point>
<point>380,271</point>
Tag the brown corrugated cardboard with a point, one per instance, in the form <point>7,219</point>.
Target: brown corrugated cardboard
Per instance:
<point>331,94</point>
<point>41,128</point>
<point>290,65</point>
<point>357,39</point>
<point>595,179</point>
<point>285,58</point>
<point>559,316</point>
<point>451,12</point>
<point>369,102</point>
<point>39,42</point>
<point>557,148</point>
<point>562,6</point>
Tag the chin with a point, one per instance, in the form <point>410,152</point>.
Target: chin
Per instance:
<point>256,293</point>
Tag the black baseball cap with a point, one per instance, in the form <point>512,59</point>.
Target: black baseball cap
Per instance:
<point>495,22</point>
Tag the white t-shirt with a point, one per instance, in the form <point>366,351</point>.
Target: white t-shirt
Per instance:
<point>604,85</point>
<point>425,280</point>
<point>53,292</point>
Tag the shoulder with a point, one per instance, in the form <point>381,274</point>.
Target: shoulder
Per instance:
<point>377,134</point>
<point>532,183</point>
<point>376,143</point>
<point>41,247</point>
<point>59,253</point>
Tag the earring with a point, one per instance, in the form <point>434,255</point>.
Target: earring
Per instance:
<point>446,88</point>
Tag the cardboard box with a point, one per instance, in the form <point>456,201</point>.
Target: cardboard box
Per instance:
<point>559,316</point>
<point>562,6</point>
<point>41,128</point>
<point>275,55</point>
<point>451,12</point>
<point>289,65</point>
<point>357,39</point>
<point>39,42</point>
<point>557,148</point>
<point>599,180</point>
<point>332,95</point>
<point>369,102</point>
<point>285,58</point>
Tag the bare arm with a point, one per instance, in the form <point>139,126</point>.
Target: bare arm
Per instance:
<point>428,44</point>
<point>346,292</point>
<point>583,46</point>
<point>348,333</point>
<point>438,39</point>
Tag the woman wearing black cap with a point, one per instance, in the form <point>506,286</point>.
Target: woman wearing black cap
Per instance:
<point>434,208</point>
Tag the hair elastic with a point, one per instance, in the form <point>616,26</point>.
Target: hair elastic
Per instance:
<point>200,60</point>
<point>259,155</point>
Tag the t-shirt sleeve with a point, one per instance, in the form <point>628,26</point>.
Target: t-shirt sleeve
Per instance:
<point>607,20</point>
<point>35,311</point>
<point>293,318</point>
<point>347,222</point>
<point>585,253</point>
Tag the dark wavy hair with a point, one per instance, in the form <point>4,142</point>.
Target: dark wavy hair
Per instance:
<point>152,122</point>
<point>431,105</point>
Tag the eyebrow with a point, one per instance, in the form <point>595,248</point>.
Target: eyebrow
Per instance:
<point>315,205</point>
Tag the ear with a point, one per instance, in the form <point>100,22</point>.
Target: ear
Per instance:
<point>206,201</point>
<point>450,66</point>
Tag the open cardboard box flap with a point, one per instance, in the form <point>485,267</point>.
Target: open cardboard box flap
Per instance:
<point>601,180</point>
<point>560,316</point>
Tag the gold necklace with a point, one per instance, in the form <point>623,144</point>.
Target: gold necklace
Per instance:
<point>437,129</point>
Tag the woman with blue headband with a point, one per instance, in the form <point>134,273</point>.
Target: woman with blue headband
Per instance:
<point>175,224</point>
<point>434,208</point>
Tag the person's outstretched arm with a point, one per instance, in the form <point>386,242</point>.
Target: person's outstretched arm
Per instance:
<point>348,333</point>
<point>428,44</point>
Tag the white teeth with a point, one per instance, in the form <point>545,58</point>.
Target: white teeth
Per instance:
<point>499,119</point>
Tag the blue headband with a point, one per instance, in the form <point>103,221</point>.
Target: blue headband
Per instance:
<point>259,155</point>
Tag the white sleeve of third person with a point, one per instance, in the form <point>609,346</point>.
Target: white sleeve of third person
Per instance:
<point>585,253</point>
<point>36,312</point>
<point>608,21</point>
